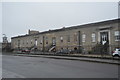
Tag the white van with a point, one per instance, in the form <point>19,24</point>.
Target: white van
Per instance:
<point>116,53</point>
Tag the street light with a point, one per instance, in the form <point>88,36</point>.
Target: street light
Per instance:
<point>5,39</point>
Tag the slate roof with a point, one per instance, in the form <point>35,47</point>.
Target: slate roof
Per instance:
<point>74,27</point>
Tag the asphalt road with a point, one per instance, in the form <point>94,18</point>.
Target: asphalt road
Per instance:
<point>37,67</point>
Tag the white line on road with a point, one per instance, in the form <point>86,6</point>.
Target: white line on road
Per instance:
<point>9,74</point>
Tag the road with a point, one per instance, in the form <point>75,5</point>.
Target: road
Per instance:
<point>37,67</point>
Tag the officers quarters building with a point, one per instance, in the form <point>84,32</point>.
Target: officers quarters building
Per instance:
<point>89,38</point>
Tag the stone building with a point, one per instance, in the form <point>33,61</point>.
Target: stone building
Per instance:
<point>5,45</point>
<point>84,38</point>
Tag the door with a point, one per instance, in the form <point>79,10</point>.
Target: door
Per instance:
<point>35,42</point>
<point>54,41</point>
<point>105,42</point>
<point>104,38</point>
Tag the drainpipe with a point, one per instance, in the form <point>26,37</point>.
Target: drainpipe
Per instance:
<point>79,41</point>
<point>18,44</point>
<point>119,22</point>
<point>43,44</point>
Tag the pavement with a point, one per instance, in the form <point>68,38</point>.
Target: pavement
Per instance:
<point>90,58</point>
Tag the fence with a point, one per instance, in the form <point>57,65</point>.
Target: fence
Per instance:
<point>85,49</point>
<point>90,49</point>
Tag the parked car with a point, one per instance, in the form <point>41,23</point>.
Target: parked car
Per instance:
<point>63,51</point>
<point>116,53</point>
<point>17,51</point>
<point>25,51</point>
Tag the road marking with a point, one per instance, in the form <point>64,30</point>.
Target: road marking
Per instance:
<point>9,74</point>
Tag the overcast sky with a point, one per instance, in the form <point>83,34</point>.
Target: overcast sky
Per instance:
<point>0,21</point>
<point>18,17</point>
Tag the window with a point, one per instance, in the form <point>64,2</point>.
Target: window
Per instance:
<point>75,37</point>
<point>117,35</point>
<point>68,38</point>
<point>23,42</point>
<point>46,40</point>
<point>27,42</point>
<point>61,39</point>
<point>31,41</point>
<point>18,42</point>
<point>53,40</point>
<point>93,37</point>
<point>41,41</point>
<point>83,37</point>
<point>35,42</point>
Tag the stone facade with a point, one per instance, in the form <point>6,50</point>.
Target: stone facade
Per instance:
<point>81,37</point>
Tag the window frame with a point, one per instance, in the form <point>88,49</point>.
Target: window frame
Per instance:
<point>68,38</point>
<point>93,35</point>
<point>61,38</point>
<point>117,35</point>
<point>84,37</point>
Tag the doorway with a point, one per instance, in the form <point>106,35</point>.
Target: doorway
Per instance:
<point>53,41</point>
<point>104,38</point>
